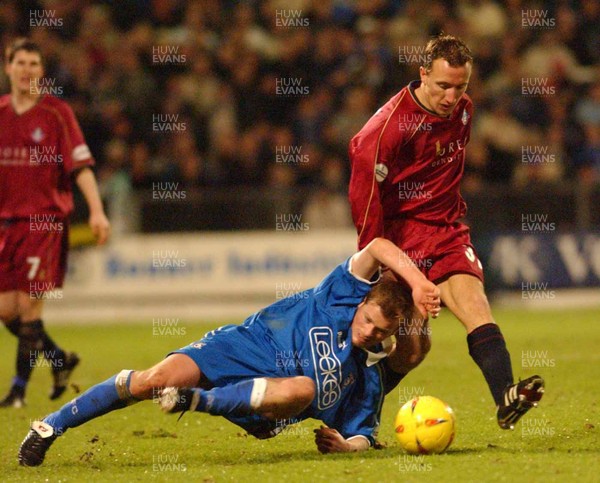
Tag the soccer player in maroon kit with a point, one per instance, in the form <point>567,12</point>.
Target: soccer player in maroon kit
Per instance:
<point>407,163</point>
<point>41,150</point>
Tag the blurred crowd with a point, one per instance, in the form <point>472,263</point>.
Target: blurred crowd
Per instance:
<point>268,93</point>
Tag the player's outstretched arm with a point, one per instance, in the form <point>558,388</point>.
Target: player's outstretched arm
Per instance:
<point>86,181</point>
<point>329,440</point>
<point>383,252</point>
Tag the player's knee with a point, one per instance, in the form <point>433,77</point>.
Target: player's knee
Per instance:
<point>28,308</point>
<point>7,314</point>
<point>150,379</point>
<point>304,390</point>
<point>8,310</point>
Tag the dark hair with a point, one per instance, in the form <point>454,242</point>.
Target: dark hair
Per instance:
<point>449,48</point>
<point>22,44</point>
<point>394,298</point>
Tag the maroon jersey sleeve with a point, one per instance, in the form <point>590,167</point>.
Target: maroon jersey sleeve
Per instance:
<point>372,152</point>
<point>39,150</point>
<point>72,145</point>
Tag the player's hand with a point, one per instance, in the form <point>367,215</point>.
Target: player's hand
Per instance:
<point>100,227</point>
<point>328,440</point>
<point>426,297</point>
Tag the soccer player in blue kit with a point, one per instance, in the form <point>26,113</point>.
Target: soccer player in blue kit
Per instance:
<point>325,354</point>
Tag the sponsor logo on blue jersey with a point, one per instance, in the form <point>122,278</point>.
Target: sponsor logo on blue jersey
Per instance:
<point>328,370</point>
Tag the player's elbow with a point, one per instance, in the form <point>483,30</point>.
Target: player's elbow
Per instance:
<point>378,244</point>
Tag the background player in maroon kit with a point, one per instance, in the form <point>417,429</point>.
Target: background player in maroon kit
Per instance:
<point>407,163</point>
<point>41,150</point>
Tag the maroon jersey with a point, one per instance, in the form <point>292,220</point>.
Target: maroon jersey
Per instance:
<point>407,162</point>
<point>39,150</point>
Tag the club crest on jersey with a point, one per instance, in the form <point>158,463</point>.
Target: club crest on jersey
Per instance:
<point>465,117</point>
<point>381,172</point>
<point>37,135</point>
<point>348,380</point>
<point>341,342</point>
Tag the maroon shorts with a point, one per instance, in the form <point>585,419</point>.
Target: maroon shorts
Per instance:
<point>438,251</point>
<point>33,254</point>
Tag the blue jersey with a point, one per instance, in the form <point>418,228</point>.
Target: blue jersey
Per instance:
<point>307,334</point>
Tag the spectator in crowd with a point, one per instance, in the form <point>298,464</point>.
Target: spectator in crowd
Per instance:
<point>327,207</point>
<point>221,64</point>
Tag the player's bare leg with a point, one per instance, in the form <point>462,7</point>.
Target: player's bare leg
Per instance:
<point>177,370</point>
<point>8,306</point>
<point>30,308</point>
<point>274,398</point>
<point>286,397</point>
<point>283,397</point>
<point>465,297</point>
<point>121,390</point>
<point>9,313</point>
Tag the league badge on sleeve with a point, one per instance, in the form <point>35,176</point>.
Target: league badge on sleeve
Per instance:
<point>465,117</point>
<point>381,172</point>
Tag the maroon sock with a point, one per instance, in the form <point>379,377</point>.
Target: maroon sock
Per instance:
<point>488,349</point>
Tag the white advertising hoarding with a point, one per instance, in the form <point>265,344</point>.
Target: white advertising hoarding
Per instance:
<point>207,264</point>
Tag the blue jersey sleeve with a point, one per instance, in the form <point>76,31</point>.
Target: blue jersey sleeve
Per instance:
<point>341,288</point>
<point>361,414</point>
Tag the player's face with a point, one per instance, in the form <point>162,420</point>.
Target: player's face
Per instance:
<point>24,70</point>
<point>369,326</point>
<point>443,86</point>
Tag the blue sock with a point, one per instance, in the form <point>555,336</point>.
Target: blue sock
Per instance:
<point>232,400</point>
<point>19,382</point>
<point>96,401</point>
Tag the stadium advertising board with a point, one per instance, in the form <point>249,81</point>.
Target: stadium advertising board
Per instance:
<point>559,260</point>
<point>280,265</point>
<point>245,263</point>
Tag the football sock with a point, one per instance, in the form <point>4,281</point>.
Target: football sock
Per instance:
<point>27,352</point>
<point>52,352</point>
<point>18,386</point>
<point>14,325</point>
<point>233,400</point>
<point>488,349</point>
<point>98,400</point>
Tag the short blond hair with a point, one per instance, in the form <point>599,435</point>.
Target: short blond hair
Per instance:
<point>447,47</point>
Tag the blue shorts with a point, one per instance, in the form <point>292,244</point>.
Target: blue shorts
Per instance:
<point>234,353</point>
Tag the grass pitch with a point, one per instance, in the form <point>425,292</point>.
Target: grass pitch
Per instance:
<point>559,441</point>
